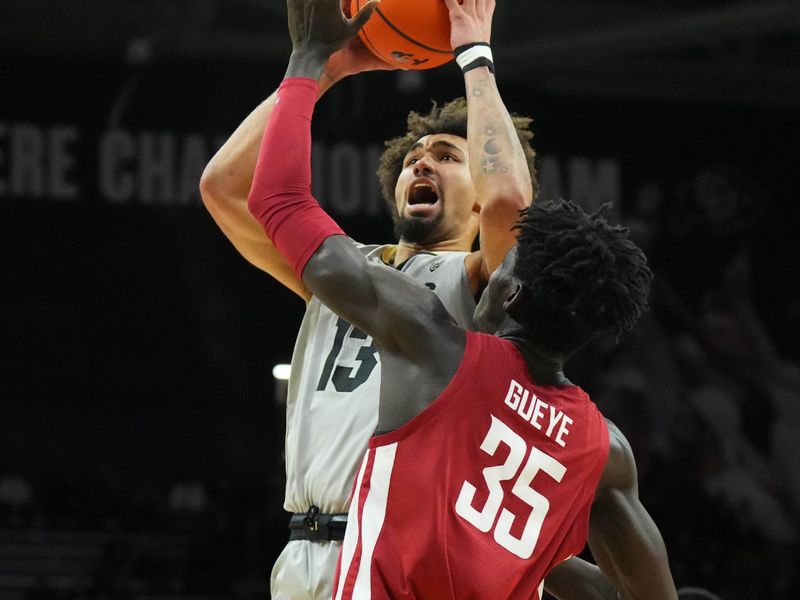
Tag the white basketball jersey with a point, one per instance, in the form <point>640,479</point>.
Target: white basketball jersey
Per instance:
<point>334,388</point>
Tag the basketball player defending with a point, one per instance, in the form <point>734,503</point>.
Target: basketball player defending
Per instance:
<point>492,468</point>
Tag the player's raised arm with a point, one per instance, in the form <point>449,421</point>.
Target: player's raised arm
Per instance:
<point>498,164</point>
<point>383,302</point>
<point>228,177</point>
<point>623,538</point>
<point>224,187</point>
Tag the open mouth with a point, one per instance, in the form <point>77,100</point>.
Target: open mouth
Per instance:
<point>423,193</point>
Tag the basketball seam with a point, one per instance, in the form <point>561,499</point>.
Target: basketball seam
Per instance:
<point>368,41</point>
<point>409,38</point>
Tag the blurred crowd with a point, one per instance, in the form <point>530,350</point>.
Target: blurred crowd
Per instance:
<point>95,539</point>
<point>708,399</point>
<point>707,391</point>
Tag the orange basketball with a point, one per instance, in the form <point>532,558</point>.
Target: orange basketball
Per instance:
<point>411,34</point>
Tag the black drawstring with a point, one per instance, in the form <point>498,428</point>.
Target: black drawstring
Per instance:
<point>310,520</point>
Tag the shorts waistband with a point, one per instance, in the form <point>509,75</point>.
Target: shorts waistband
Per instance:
<point>316,526</point>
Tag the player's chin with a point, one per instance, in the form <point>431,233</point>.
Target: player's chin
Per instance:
<point>418,229</point>
<point>425,217</point>
<point>429,210</point>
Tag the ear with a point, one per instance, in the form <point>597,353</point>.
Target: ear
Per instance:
<point>516,302</point>
<point>474,225</point>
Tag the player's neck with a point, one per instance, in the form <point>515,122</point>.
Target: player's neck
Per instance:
<point>545,368</point>
<point>406,250</point>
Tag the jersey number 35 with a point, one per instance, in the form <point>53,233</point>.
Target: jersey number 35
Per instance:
<point>486,518</point>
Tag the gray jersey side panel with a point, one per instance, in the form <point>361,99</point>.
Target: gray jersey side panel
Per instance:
<point>332,401</point>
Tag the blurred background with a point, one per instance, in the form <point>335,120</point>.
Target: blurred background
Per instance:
<point>141,428</point>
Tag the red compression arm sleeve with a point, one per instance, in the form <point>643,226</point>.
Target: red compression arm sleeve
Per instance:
<point>280,198</point>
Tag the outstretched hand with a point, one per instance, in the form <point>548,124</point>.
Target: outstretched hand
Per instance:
<point>351,59</point>
<point>470,21</point>
<point>320,28</point>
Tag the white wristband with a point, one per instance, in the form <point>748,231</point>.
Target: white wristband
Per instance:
<point>470,55</point>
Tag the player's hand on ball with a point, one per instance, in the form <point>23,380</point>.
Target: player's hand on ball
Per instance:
<point>320,26</point>
<point>470,21</point>
<point>353,58</point>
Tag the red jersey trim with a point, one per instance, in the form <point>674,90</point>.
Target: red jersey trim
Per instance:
<point>355,564</point>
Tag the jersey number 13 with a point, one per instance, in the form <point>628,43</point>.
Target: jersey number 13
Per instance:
<point>347,379</point>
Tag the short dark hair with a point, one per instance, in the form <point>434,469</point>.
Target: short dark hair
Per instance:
<point>450,118</point>
<point>585,277</point>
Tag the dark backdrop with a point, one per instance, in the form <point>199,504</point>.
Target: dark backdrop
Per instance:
<point>134,339</point>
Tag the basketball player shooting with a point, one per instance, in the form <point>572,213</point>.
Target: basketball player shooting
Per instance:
<point>492,468</point>
<point>439,200</point>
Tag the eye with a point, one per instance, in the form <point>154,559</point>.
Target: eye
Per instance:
<point>411,161</point>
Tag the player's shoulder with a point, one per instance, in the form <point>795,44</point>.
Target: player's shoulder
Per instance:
<point>494,358</point>
<point>443,266</point>
<point>620,469</point>
<point>494,343</point>
<point>384,253</point>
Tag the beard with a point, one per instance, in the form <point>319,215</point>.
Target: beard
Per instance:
<point>417,230</point>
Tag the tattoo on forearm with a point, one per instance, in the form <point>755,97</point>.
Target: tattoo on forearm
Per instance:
<point>488,165</point>
<point>477,91</point>
<point>493,146</point>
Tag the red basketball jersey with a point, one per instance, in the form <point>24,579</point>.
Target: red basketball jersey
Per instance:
<point>481,494</point>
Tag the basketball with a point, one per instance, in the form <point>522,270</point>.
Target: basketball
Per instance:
<point>410,34</point>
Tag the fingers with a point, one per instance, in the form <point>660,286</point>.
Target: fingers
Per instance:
<point>486,9</point>
<point>483,10</point>
<point>489,6</point>
<point>470,20</point>
<point>485,14</point>
<point>363,15</point>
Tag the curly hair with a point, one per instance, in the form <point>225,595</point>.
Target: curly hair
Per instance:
<point>586,277</point>
<point>450,118</point>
